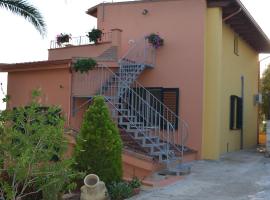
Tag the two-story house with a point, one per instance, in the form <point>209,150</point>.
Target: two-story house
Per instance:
<point>192,98</point>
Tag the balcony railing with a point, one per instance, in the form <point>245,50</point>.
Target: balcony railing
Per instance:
<point>81,40</point>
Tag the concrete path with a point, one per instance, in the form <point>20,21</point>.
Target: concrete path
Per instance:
<point>242,175</point>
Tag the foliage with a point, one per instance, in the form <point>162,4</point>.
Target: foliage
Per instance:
<point>120,190</point>
<point>155,40</point>
<point>94,35</point>
<point>84,65</point>
<point>26,10</point>
<point>62,38</point>
<point>265,82</point>
<point>99,146</point>
<point>31,137</point>
<point>135,183</point>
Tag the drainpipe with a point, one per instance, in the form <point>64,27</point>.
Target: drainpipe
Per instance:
<point>232,15</point>
<point>242,122</point>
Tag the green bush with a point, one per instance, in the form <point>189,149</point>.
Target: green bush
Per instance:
<point>135,183</point>
<point>120,190</point>
<point>99,145</point>
<point>30,137</point>
<point>84,65</point>
<point>94,35</point>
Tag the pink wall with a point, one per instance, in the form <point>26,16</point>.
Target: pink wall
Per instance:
<point>78,51</point>
<point>54,84</point>
<point>180,62</point>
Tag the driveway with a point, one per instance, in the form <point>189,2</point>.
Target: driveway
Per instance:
<point>243,175</point>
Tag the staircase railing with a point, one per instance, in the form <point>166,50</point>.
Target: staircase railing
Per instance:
<point>122,98</point>
<point>142,110</point>
<point>178,129</point>
<point>135,60</point>
<point>140,52</point>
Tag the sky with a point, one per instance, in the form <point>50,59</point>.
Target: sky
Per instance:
<point>20,42</point>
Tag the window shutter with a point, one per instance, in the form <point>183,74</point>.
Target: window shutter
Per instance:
<point>171,99</point>
<point>232,111</point>
<point>239,113</point>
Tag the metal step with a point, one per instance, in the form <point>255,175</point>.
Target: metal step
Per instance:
<point>154,145</point>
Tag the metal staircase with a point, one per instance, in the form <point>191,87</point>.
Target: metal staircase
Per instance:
<point>141,114</point>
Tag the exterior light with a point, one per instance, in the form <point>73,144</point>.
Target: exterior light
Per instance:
<point>145,12</point>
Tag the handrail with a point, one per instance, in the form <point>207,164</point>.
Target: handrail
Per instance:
<point>139,97</point>
<point>153,110</point>
<point>141,53</point>
<point>130,97</point>
<point>128,59</point>
<point>81,40</point>
<point>148,92</point>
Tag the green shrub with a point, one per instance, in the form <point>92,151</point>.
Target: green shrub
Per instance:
<point>135,183</point>
<point>120,190</point>
<point>30,137</point>
<point>94,35</point>
<point>99,145</point>
<point>84,65</point>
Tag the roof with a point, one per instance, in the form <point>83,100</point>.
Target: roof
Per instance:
<point>240,20</point>
<point>234,14</point>
<point>39,65</point>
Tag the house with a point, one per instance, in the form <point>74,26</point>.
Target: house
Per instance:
<point>193,98</point>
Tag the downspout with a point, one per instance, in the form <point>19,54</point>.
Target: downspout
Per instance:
<point>232,15</point>
<point>242,86</point>
<point>242,110</point>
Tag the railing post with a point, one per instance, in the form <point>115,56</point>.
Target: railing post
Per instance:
<point>80,41</point>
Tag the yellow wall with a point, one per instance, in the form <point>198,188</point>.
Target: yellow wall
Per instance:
<point>212,92</point>
<point>233,67</point>
<point>222,78</point>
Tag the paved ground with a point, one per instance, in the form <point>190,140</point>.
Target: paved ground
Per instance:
<point>237,176</point>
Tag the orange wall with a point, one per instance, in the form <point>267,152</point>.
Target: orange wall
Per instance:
<point>54,84</point>
<point>180,62</point>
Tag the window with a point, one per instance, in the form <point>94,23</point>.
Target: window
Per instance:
<point>171,99</point>
<point>236,50</point>
<point>235,112</point>
<point>167,96</point>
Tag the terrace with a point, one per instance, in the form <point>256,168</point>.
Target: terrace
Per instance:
<point>82,47</point>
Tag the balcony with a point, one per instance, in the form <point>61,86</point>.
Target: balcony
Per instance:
<point>82,47</point>
<point>81,40</point>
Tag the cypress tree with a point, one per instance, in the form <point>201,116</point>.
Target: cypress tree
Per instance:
<point>99,146</point>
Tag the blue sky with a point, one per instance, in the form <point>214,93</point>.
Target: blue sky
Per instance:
<point>20,42</point>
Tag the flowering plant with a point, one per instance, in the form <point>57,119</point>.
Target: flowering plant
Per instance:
<point>155,40</point>
<point>62,38</point>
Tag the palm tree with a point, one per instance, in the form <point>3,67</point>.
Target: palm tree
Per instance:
<point>26,10</point>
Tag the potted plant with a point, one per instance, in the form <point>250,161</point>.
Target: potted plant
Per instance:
<point>63,38</point>
<point>155,40</point>
<point>94,35</point>
<point>135,184</point>
<point>84,65</point>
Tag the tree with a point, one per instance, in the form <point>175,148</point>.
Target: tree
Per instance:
<point>32,145</point>
<point>26,10</point>
<point>265,89</point>
<point>99,146</point>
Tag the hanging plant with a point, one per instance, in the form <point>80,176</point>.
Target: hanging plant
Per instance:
<point>84,65</point>
<point>62,38</point>
<point>155,40</point>
<point>94,35</point>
